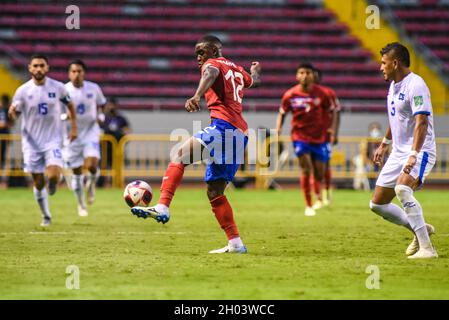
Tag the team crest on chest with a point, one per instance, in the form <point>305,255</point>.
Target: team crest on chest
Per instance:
<point>90,95</point>
<point>52,95</point>
<point>401,96</point>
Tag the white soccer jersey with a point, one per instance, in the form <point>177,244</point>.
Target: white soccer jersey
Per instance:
<point>85,100</point>
<point>406,99</point>
<point>41,108</point>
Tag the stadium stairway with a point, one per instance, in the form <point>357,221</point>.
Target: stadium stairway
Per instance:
<point>355,14</point>
<point>142,51</point>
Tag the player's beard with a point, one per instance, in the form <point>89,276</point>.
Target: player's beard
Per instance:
<point>39,76</point>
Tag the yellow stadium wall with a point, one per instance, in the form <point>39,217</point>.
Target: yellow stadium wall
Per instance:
<point>353,14</point>
<point>8,83</point>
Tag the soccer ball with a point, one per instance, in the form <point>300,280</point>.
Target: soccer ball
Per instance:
<point>138,193</point>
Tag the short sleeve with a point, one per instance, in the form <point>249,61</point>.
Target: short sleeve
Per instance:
<point>101,100</point>
<point>285,103</point>
<point>210,63</point>
<point>419,96</point>
<point>18,99</point>
<point>64,96</point>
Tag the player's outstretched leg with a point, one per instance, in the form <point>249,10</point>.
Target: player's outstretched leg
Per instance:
<point>41,196</point>
<point>170,182</point>
<point>225,217</point>
<point>415,217</point>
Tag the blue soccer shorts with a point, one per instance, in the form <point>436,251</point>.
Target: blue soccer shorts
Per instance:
<point>318,151</point>
<point>226,146</point>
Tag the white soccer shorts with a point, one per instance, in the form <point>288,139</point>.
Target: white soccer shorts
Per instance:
<point>395,164</point>
<point>36,161</point>
<point>75,153</point>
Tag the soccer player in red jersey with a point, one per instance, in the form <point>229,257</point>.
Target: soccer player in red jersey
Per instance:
<point>222,144</point>
<point>331,136</point>
<point>308,104</point>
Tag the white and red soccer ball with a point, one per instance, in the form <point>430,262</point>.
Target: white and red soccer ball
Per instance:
<point>138,193</point>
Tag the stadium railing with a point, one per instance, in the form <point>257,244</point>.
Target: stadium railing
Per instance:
<point>147,156</point>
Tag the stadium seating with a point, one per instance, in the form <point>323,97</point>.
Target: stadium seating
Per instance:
<point>142,51</point>
<point>426,21</point>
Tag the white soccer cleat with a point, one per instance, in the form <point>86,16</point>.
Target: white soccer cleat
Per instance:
<point>160,213</point>
<point>82,212</point>
<point>309,212</point>
<point>230,248</point>
<point>318,205</point>
<point>413,247</point>
<point>424,254</point>
<point>46,222</point>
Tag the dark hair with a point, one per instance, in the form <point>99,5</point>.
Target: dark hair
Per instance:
<point>400,52</point>
<point>79,63</point>
<point>112,100</point>
<point>306,65</point>
<point>210,39</point>
<point>39,56</point>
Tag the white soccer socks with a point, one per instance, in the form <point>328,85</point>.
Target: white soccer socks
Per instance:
<point>41,197</point>
<point>414,214</point>
<point>392,213</point>
<point>77,187</point>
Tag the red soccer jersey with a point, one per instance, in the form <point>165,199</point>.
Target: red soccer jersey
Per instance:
<point>224,98</point>
<point>307,110</point>
<point>335,105</point>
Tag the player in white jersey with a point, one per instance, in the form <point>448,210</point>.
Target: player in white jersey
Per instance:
<point>87,97</point>
<point>413,152</point>
<point>40,101</point>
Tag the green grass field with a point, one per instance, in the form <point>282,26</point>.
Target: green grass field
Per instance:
<point>290,256</point>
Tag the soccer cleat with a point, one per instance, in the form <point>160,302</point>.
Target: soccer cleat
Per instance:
<point>82,212</point>
<point>46,222</point>
<point>52,187</point>
<point>90,191</point>
<point>318,205</point>
<point>424,254</point>
<point>414,246</point>
<point>230,248</point>
<point>145,212</point>
<point>309,212</point>
<point>326,202</point>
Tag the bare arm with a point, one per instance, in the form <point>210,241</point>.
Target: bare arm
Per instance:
<point>255,74</point>
<point>334,126</point>
<point>207,80</point>
<point>280,122</point>
<point>13,114</point>
<point>379,155</point>
<point>73,125</point>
